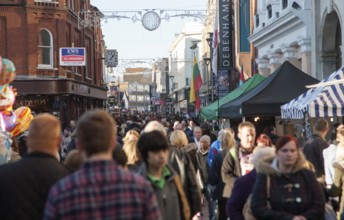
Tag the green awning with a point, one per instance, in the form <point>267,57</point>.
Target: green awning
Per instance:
<point>210,112</point>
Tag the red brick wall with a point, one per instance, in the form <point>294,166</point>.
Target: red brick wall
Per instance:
<point>19,28</point>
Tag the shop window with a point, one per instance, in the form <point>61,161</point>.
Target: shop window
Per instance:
<point>45,49</point>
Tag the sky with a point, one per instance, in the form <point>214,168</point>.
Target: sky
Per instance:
<point>132,40</point>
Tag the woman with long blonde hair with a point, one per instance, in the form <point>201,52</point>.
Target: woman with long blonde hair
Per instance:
<point>131,135</point>
<point>215,178</point>
<point>134,159</point>
<point>182,158</point>
<point>178,139</point>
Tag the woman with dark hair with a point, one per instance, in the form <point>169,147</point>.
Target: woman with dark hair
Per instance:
<point>287,188</point>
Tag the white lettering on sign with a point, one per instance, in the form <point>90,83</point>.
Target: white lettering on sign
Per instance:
<point>225,34</point>
<point>72,51</point>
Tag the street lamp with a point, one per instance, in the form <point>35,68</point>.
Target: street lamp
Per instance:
<point>209,41</point>
<point>207,62</point>
<point>171,87</point>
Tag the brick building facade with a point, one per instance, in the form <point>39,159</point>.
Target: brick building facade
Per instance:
<point>31,34</point>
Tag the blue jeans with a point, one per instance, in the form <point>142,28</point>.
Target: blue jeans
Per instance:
<point>211,207</point>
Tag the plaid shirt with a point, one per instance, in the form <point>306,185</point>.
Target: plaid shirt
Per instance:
<point>101,190</point>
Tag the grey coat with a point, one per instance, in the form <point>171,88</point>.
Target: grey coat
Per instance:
<point>230,170</point>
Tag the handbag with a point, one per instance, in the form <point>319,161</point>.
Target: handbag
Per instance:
<point>246,211</point>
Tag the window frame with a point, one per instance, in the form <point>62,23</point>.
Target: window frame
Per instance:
<point>40,47</point>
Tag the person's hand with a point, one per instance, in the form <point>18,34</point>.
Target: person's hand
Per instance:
<point>341,126</point>
<point>299,217</point>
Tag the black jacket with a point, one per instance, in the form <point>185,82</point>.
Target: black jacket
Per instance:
<point>313,152</point>
<point>24,186</point>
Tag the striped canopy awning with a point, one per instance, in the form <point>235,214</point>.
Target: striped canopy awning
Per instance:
<point>322,101</point>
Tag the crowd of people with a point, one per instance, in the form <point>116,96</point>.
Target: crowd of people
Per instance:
<point>105,167</point>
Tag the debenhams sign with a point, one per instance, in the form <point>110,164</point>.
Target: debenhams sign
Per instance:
<point>225,25</point>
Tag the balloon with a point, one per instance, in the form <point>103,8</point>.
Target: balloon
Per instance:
<point>5,147</point>
<point>24,118</point>
<point>7,97</point>
<point>2,124</point>
<point>7,72</point>
<point>9,120</point>
<point>9,65</point>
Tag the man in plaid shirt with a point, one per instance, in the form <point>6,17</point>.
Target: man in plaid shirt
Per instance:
<point>100,189</point>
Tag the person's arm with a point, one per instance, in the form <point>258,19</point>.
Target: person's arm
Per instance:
<point>236,202</point>
<point>336,188</point>
<point>227,170</point>
<point>214,172</point>
<point>318,197</point>
<point>151,205</point>
<point>259,202</point>
<point>211,155</point>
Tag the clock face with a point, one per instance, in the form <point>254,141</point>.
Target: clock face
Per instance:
<point>111,58</point>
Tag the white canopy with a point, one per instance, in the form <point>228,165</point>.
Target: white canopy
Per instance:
<point>323,100</point>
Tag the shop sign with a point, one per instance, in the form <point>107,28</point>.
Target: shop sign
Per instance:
<point>72,56</point>
<point>168,100</point>
<point>111,100</point>
<point>159,102</point>
<point>32,102</point>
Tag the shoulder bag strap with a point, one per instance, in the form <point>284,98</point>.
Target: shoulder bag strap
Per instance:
<point>185,204</point>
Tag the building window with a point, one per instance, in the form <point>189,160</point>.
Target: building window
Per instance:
<point>132,98</point>
<point>71,4</point>
<point>140,98</point>
<point>45,49</point>
<point>257,20</point>
<point>284,4</point>
<point>269,9</point>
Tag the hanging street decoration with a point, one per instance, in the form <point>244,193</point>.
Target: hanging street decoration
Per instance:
<point>150,18</point>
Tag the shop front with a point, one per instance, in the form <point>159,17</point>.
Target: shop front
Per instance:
<point>64,98</point>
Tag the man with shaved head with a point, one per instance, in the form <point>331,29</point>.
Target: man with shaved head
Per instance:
<point>24,185</point>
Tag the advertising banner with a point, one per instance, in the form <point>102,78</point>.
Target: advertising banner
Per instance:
<point>223,82</point>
